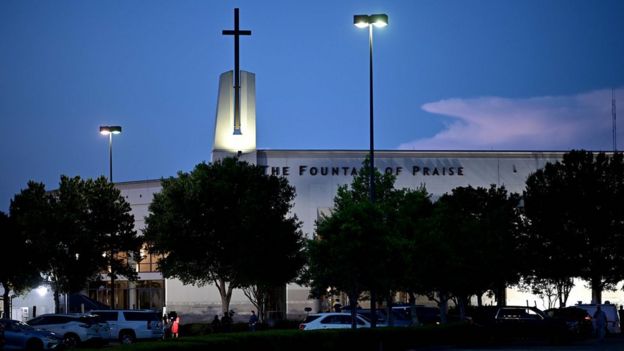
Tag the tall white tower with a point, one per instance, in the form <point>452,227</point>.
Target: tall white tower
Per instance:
<point>227,141</point>
<point>235,126</point>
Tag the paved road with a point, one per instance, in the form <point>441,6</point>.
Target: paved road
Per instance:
<point>613,343</point>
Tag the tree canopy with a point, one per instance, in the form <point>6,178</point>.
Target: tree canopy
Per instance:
<point>357,248</point>
<point>15,278</point>
<point>72,228</point>
<point>226,223</point>
<point>574,209</point>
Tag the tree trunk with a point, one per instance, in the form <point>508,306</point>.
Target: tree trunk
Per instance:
<point>596,286</point>
<point>353,305</point>
<point>501,295</point>
<point>57,302</point>
<point>225,292</point>
<point>373,308</point>
<point>443,305</point>
<point>6,302</point>
<point>480,299</point>
<point>413,312</point>
<point>461,306</point>
<point>389,303</point>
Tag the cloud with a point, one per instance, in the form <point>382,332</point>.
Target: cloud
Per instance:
<point>537,123</point>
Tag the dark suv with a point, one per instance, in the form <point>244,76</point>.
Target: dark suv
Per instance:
<point>517,321</point>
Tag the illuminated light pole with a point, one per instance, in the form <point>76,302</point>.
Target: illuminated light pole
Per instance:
<point>370,21</point>
<point>110,130</point>
<point>363,21</point>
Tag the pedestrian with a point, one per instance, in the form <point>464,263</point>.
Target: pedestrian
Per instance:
<point>600,319</point>
<point>253,320</point>
<point>216,324</point>
<point>175,327</point>
<point>226,322</point>
<point>166,327</point>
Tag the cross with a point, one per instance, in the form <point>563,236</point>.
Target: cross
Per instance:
<point>236,33</point>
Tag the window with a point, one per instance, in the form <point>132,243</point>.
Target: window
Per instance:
<point>149,263</point>
<point>141,316</point>
<point>108,316</point>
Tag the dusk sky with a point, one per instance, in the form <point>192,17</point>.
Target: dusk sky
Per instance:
<point>449,75</point>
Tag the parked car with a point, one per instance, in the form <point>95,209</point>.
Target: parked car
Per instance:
<point>399,319</point>
<point>21,336</point>
<point>104,328</point>
<point>74,329</point>
<point>527,321</point>
<point>613,320</point>
<point>127,326</point>
<point>426,314</point>
<point>517,321</point>
<point>577,320</point>
<point>332,320</point>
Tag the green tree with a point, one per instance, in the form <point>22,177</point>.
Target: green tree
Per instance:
<point>414,216</point>
<point>576,222</point>
<point>110,224</point>
<point>66,232</point>
<point>346,243</point>
<point>474,235</point>
<point>227,223</point>
<point>15,278</point>
<point>361,231</point>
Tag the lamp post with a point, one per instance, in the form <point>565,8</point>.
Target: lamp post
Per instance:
<point>370,21</point>
<point>110,130</point>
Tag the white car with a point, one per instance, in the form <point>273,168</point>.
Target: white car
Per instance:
<point>74,329</point>
<point>127,326</point>
<point>332,320</point>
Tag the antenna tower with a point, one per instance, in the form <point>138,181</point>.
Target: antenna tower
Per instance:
<point>613,115</point>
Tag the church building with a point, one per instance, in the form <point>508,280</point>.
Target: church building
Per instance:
<point>316,175</point>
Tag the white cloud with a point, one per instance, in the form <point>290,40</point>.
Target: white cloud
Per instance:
<point>537,123</point>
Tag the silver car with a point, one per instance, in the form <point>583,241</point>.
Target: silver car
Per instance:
<point>21,336</point>
<point>74,329</point>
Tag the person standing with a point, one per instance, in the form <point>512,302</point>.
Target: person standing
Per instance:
<point>600,319</point>
<point>216,324</point>
<point>253,320</point>
<point>175,327</point>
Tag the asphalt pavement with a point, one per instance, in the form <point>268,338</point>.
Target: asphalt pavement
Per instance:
<point>610,343</point>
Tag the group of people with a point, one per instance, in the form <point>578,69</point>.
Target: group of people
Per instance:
<point>172,325</point>
<point>225,323</point>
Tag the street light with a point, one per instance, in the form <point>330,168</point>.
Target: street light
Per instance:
<point>110,130</point>
<point>370,21</point>
<point>363,21</point>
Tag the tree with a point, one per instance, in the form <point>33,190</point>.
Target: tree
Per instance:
<point>226,223</point>
<point>576,222</point>
<point>360,231</point>
<point>415,210</point>
<point>111,225</point>
<point>15,278</point>
<point>69,229</point>
<point>474,236</point>
<point>340,256</point>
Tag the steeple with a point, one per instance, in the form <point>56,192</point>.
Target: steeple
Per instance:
<point>235,125</point>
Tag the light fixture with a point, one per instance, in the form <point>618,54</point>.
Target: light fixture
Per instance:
<point>363,21</point>
<point>106,130</point>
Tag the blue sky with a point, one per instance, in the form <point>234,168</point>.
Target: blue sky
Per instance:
<point>449,74</point>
